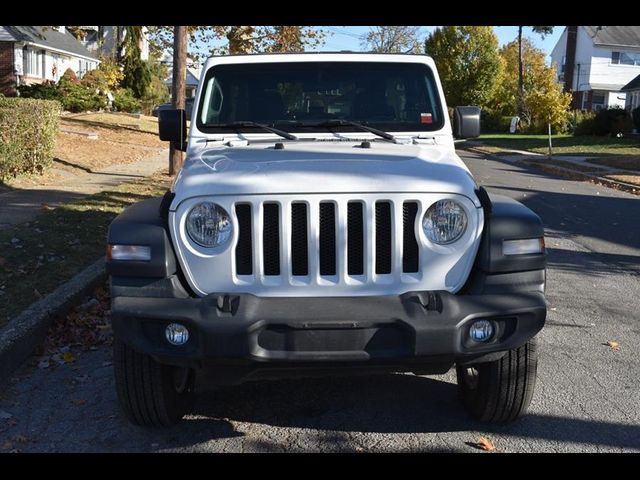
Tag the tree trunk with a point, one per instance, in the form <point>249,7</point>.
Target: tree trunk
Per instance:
<point>178,89</point>
<point>520,76</point>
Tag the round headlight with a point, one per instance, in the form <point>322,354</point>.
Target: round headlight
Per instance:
<point>444,222</point>
<point>209,225</point>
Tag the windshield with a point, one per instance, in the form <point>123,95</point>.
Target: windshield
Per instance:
<point>303,96</point>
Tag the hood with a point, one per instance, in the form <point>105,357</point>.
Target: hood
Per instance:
<point>323,167</point>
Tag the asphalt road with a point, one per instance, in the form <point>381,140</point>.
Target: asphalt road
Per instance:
<point>587,395</point>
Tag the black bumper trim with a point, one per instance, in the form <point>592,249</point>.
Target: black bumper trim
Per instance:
<point>336,329</point>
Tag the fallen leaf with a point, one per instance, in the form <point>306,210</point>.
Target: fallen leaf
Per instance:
<point>106,364</point>
<point>37,293</point>
<point>5,415</point>
<point>12,422</point>
<point>44,363</point>
<point>78,401</point>
<point>68,357</point>
<point>486,444</point>
<point>6,445</point>
<point>613,344</point>
<point>46,206</point>
<point>20,439</point>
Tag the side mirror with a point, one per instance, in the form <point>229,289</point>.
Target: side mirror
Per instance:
<point>172,126</point>
<point>466,122</point>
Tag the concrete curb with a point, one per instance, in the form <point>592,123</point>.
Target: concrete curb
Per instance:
<point>23,333</point>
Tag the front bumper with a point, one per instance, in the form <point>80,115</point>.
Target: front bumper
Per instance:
<point>420,327</point>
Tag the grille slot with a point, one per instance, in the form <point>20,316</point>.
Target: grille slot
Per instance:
<point>355,238</point>
<point>244,252</point>
<point>410,251</point>
<point>271,238</point>
<point>383,237</point>
<point>299,240</point>
<point>327,239</point>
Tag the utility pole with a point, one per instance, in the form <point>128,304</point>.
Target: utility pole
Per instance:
<point>178,89</point>
<point>520,76</point>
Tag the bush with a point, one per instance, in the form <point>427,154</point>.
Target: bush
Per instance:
<point>28,129</point>
<point>125,101</point>
<point>582,123</point>
<point>493,123</point>
<point>611,121</point>
<point>47,90</point>
<point>79,98</point>
<point>636,117</point>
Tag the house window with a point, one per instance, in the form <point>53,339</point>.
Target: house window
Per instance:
<point>598,101</point>
<point>564,61</point>
<point>625,58</point>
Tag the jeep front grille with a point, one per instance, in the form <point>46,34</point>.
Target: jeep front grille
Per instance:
<point>305,239</point>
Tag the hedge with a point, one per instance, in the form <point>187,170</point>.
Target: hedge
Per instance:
<point>28,130</point>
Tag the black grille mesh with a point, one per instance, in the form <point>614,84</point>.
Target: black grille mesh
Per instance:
<point>355,238</point>
<point>271,239</point>
<point>244,252</point>
<point>410,251</point>
<point>383,237</point>
<point>299,248</point>
<point>327,239</point>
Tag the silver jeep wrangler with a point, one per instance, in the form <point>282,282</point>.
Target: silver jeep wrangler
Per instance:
<point>323,224</point>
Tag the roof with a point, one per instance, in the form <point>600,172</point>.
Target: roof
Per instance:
<point>191,80</point>
<point>632,85</point>
<point>319,57</point>
<point>622,36</point>
<point>49,38</point>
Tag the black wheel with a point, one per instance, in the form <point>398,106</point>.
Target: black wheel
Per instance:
<point>500,391</point>
<point>150,394</point>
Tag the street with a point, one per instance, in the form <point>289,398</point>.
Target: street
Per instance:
<point>586,398</point>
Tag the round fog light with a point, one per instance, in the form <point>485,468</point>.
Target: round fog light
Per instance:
<point>481,331</point>
<point>176,334</point>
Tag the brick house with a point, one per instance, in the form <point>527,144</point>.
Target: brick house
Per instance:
<point>35,54</point>
<point>595,63</point>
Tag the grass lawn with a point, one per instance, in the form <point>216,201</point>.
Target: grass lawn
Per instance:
<point>562,144</point>
<point>38,256</point>
<point>145,123</point>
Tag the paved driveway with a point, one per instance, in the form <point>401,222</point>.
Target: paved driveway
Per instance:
<point>586,397</point>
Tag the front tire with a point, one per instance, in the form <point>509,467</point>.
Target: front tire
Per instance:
<point>500,391</point>
<point>150,394</point>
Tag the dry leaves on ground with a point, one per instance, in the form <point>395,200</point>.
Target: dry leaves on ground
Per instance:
<point>483,444</point>
<point>613,345</point>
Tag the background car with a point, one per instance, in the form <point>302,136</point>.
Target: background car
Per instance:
<point>188,106</point>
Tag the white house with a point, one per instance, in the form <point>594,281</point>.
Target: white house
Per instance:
<point>632,89</point>
<point>594,63</point>
<point>35,54</point>
<point>105,40</point>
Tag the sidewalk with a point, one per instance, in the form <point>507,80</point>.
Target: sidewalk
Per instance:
<point>21,205</point>
<point>573,166</point>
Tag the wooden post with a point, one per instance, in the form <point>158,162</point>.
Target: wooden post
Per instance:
<point>550,146</point>
<point>178,89</point>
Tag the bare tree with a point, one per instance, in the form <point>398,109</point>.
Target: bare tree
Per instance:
<point>393,39</point>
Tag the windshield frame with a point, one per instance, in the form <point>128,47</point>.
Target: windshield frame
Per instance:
<point>302,128</point>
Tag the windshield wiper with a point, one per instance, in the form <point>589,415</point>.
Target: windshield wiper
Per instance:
<point>366,128</point>
<point>242,124</point>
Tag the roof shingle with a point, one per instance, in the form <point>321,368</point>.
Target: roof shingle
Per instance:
<point>49,38</point>
<point>623,36</point>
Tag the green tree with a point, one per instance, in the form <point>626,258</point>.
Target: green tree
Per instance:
<point>137,74</point>
<point>392,39</point>
<point>468,63</point>
<point>543,99</point>
<point>542,31</point>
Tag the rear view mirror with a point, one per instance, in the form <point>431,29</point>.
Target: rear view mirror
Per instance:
<point>172,127</point>
<point>466,122</point>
